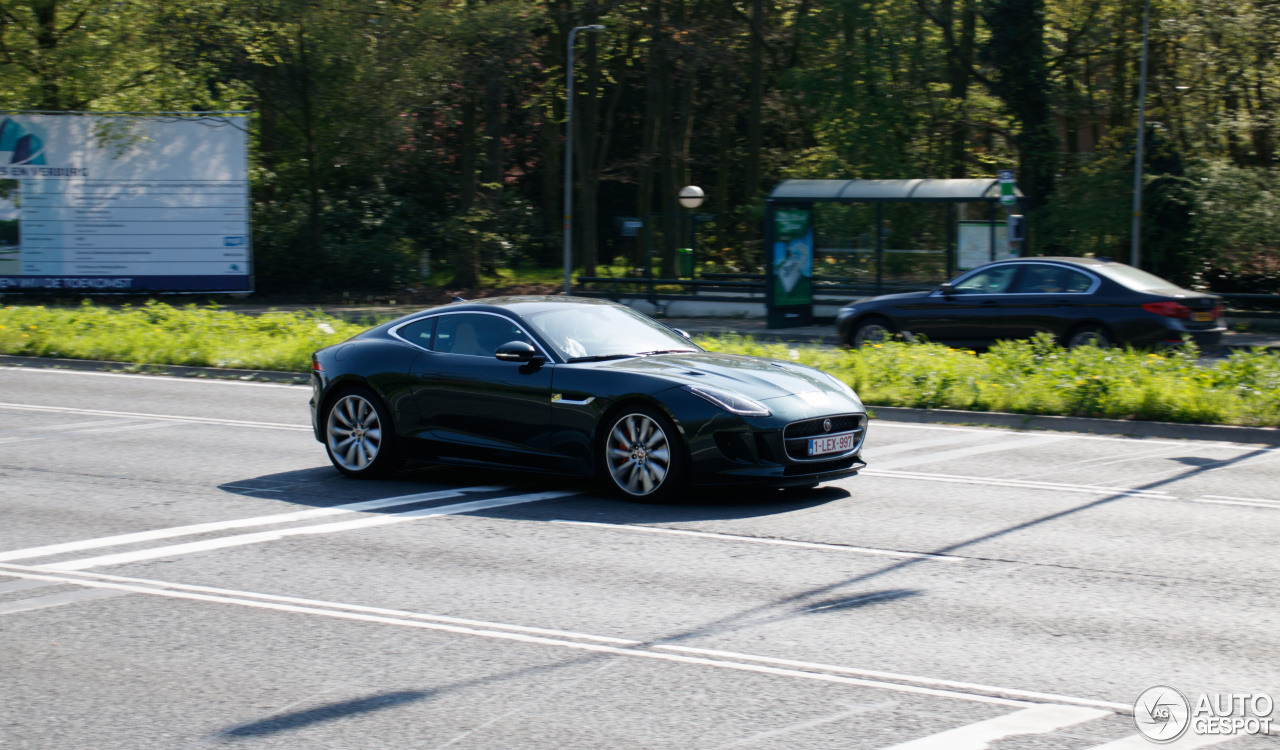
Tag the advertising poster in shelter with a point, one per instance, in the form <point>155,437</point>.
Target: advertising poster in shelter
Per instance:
<point>93,203</point>
<point>792,261</point>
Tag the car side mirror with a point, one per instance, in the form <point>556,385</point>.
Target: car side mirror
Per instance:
<point>946,289</point>
<point>517,351</point>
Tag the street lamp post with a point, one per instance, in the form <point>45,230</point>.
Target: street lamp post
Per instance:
<point>691,196</point>
<point>1136,241</point>
<point>568,153</point>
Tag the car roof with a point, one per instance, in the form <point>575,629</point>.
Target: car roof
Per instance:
<point>1088,262</point>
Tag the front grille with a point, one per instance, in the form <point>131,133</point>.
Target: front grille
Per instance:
<point>795,436</point>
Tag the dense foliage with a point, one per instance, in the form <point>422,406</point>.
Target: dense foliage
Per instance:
<point>390,135</point>
<point>1026,377</point>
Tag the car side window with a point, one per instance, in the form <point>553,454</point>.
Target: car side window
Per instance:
<point>1045,279</point>
<point>990,281</point>
<point>419,332</point>
<point>475,335</point>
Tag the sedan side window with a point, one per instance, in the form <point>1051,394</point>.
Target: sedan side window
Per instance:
<point>476,335</point>
<point>1045,279</point>
<point>991,281</point>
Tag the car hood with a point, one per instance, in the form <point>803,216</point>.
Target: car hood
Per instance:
<point>903,296</point>
<point>754,377</point>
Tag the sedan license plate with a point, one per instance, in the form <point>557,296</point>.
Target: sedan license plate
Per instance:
<point>1202,317</point>
<point>831,444</point>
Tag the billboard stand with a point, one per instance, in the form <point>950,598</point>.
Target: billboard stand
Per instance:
<point>94,203</point>
<point>789,266</point>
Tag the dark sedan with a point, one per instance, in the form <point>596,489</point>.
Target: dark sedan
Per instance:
<point>1077,300</point>
<point>578,386</point>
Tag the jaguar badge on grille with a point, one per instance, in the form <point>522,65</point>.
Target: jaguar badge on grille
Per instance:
<point>826,425</point>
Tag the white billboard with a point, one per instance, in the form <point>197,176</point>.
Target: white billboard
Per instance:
<point>124,203</point>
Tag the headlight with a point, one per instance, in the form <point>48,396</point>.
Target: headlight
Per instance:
<point>729,401</point>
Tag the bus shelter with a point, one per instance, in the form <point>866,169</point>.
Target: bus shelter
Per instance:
<point>877,236</point>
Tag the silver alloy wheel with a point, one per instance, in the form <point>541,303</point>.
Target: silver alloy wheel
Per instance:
<point>354,433</point>
<point>1089,336</point>
<point>871,333</point>
<point>638,454</point>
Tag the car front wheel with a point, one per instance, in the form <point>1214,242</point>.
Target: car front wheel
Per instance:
<point>875,330</point>
<point>359,436</point>
<point>642,455</point>
<point>1089,336</point>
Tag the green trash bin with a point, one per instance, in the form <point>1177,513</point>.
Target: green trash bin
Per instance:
<point>684,262</point>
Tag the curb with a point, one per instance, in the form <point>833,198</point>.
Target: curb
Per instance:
<point>181,371</point>
<point>1126,428</point>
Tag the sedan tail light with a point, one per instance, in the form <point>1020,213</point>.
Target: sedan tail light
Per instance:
<point>1168,309</point>
<point>315,364</point>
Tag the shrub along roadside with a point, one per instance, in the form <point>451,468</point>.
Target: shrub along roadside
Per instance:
<point>1026,377</point>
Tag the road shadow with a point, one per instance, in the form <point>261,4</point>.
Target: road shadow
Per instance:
<point>323,487</point>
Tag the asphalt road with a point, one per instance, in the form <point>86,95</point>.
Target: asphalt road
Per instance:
<point>181,568</point>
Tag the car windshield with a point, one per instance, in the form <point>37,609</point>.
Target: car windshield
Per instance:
<point>1134,278</point>
<point>579,332</point>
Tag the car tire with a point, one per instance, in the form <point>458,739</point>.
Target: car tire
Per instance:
<point>642,455</point>
<point>872,330</point>
<point>1089,335</point>
<point>359,435</point>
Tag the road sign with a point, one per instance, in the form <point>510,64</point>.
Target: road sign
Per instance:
<point>1006,187</point>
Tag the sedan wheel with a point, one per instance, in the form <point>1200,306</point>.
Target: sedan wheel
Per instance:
<point>871,331</point>
<point>359,436</point>
<point>642,455</point>
<point>1089,336</point>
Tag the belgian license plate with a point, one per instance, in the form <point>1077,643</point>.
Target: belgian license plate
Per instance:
<point>831,444</point>
<point>1202,317</point>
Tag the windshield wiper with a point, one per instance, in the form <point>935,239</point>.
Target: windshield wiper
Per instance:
<point>665,351</point>
<point>601,357</point>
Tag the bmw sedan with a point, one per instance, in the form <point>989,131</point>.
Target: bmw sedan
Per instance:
<point>1077,300</point>
<point>579,387</point>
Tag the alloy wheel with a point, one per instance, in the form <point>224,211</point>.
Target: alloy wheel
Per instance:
<point>354,433</point>
<point>638,454</point>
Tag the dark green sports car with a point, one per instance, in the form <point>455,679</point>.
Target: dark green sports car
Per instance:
<point>578,386</point>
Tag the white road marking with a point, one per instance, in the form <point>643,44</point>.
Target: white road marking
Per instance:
<point>1020,484</point>
<point>973,450</point>
<point>890,425</point>
<point>14,586</point>
<point>57,600</point>
<point>327,528</point>
<point>93,373</point>
<point>1187,741</point>
<point>763,540</point>
<point>985,694</point>
<point>979,735</point>
<point>878,452</point>
<point>1012,693</point>
<point>1256,502</point>
<point>161,417</point>
<point>239,523</point>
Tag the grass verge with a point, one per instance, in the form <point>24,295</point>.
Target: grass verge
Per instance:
<point>1024,377</point>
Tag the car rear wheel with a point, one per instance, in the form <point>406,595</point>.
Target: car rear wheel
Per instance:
<point>872,330</point>
<point>1089,335</point>
<point>359,435</point>
<point>642,455</point>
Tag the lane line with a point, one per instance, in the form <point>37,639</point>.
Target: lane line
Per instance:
<point>161,417</point>
<point>1012,693</point>
<point>762,540</point>
<point>979,735</point>
<point>878,453</point>
<point>992,696</point>
<point>973,450</point>
<point>890,424</point>
<point>1020,484</point>
<point>15,586</point>
<point>239,523</point>
<point>327,528</point>
<point>177,379</point>
<point>58,600</point>
<point>1257,502</point>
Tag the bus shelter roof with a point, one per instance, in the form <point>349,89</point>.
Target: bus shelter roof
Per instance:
<point>895,191</point>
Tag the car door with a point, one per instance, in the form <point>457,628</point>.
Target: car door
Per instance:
<point>1047,298</point>
<point>969,316</point>
<point>472,406</point>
